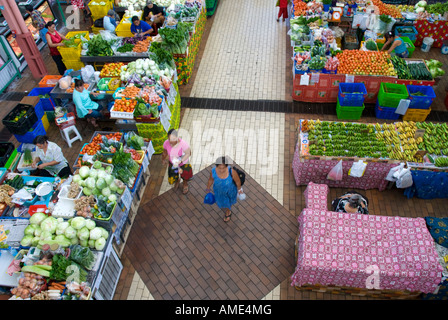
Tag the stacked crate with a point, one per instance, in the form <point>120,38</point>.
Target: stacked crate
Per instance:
<point>421,99</point>
<point>389,97</point>
<point>350,103</point>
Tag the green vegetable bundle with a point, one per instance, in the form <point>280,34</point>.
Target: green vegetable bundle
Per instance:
<point>97,46</point>
<point>125,168</point>
<point>126,48</point>
<point>83,256</point>
<point>176,40</point>
<point>70,43</point>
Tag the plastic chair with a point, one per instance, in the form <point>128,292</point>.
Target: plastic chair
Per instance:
<point>67,126</point>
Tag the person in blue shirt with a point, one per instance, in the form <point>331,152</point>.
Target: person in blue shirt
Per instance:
<point>397,45</point>
<point>141,28</point>
<point>85,107</point>
<point>109,22</point>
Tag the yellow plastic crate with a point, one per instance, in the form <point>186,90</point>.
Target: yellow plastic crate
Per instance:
<point>71,34</point>
<point>98,11</point>
<point>73,64</point>
<point>124,30</point>
<point>70,53</point>
<point>45,122</point>
<point>416,114</point>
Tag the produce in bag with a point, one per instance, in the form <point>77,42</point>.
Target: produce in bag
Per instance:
<point>336,172</point>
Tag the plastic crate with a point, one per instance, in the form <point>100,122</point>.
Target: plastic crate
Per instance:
<point>402,31</point>
<point>70,53</point>
<point>24,123</point>
<point>420,102</point>
<point>48,104</point>
<point>37,130</point>
<point>103,84</point>
<point>409,45</point>
<point>39,109</point>
<point>120,114</point>
<point>123,30</point>
<point>73,64</point>
<point>35,208</point>
<point>416,115</point>
<point>352,94</point>
<point>99,11</point>
<point>45,121</point>
<point>390,94</point>
<point>49,81</point>
<point>386,113</point>
<point>71,34</point>
<point>6,152</point>
<point>349,113</point>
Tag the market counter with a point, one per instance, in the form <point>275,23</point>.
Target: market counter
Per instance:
<point>393,255</point>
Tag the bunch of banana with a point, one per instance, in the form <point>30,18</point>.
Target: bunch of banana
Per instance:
<point>441,162</point>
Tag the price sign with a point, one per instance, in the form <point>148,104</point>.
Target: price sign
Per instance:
<point>315,78</point>
<point>304,80</point>
<point>349,78</point>
<point>403,106</point>
<point>165,122</point>
<point>171,97</point>
<point>145,162</point>
<point>419,133</point>
<point>175,75</point>
<point>151,150</point>
<point>126,198</point>
<point>166,109</point>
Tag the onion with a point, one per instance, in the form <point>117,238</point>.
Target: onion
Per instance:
<point>21,281</point>
<point>14,291</point>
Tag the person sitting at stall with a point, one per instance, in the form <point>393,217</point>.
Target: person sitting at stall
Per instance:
<point>85,107</point>
<point>109,22</point>
<point>351,202</point>
<point>49,159</point>
<point>396,44</point>
<point>140,27</point>
<point>37,21</point>
<point>153,14</point>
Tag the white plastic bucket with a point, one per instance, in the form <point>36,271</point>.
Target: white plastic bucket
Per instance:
<point>427,43</point>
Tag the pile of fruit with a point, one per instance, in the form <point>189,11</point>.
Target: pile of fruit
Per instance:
<point>358,62</point>
<point>124,105</point>
<point>112,69</point>
<point>135,155</point>
<point>435,139</point>
<point>405,8</point>
<point>344,139</point>
<point>388,9</point>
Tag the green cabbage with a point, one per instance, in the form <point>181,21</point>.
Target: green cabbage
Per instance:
<point>106,192</point>
<point>77,178</point>
<point>78,223</point>
<point>49,224</point>
<point>83,234</point>
<point>62,240</point>
<point>90,183</point>
<point>93,173</point>
<point>90,224</point>
<point>92,243</point>
<point>37,218</point>
<point>26,240</point>
<point>70,232</point>
<point>95,233</point>
<point>60,229</point>
<point>86,191</point>
<point>97,164</point>
<point>37,230</point>
<point>84,172</point>
<point>101,183</point>
<point>29,230</point>
<point>100,243</point>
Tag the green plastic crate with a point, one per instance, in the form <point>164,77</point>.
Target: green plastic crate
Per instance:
<point>390,94</point>
<point>349,113</point>
<point>409,45</point>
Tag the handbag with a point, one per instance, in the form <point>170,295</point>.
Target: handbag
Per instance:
<point>241,174</point>
<point>209,198</point>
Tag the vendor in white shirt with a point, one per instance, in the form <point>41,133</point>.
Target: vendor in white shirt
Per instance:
<point>109,22</point>
<point>49,159</point>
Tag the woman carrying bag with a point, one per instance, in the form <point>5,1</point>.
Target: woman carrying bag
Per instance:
<point>226,185</point>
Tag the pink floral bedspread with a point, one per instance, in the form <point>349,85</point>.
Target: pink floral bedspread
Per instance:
<point>366,251</point>
<point>316,171</point>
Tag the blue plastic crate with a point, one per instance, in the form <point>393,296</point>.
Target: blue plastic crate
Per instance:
<point>47,103</point>
<point>37,130</point>
<point>412,36</point>
<point>39,109</point>
<point>387,113</point>
<point>351,94</point>
<point>420,102</point>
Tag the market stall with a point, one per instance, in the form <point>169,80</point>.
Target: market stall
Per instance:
<point>321,145</point>
<point>364,255</point>
<point>49,225</point>
<point>324,55</point>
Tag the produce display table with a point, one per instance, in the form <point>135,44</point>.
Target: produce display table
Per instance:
<point>438,30</point>
<point>123,58</point>
<point>394,257</point>
<point>428,184</point>
<point>326,90</point>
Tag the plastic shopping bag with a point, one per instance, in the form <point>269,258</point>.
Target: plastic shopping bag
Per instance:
<point>336,172</point>
<point>391,175</point>
<point>358,168</point>
<point>404,179</point>
<point>209,198</point>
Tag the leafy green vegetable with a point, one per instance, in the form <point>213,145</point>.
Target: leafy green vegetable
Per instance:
<point>97,46</point>
<point>83,256</point>
<point>59,267</point>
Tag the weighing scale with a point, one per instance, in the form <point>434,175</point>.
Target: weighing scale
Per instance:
<point>44,191</point>
<point>335,14</point>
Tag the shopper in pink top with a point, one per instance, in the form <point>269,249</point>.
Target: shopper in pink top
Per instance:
<point>177,152</point>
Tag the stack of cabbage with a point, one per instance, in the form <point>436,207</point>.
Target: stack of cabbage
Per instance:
<point>98,180</point>
<point>49,230</point>
<point>435,67</point>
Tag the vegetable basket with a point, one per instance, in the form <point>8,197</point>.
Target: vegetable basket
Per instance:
<point>70,53</point>
<point>390,94</point>
<point>73,34</point>
<point>421,96</point>
<point>100,217</point>
<point>21,119</point>
<point>49,81</point>
<point>63,194</point>
<point>387,113</point>
<point>99,11</point>
<point>35,208</point>
<point>349,113</point>
<point>352,94</point>
<point>121,114</point>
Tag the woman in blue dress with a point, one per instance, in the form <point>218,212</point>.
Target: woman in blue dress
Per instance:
<point>226,185</point>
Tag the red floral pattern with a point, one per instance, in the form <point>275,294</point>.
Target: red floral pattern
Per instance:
<point>438,30</point>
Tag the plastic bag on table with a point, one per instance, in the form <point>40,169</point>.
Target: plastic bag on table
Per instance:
<point>404,179</point>
<point>87,73</point>
<point>336,172</point>
<point>390,176</point>
<point>358,168</point>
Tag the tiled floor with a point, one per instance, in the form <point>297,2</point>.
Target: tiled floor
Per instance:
<point>242,38</point>
<point>244,55</point>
